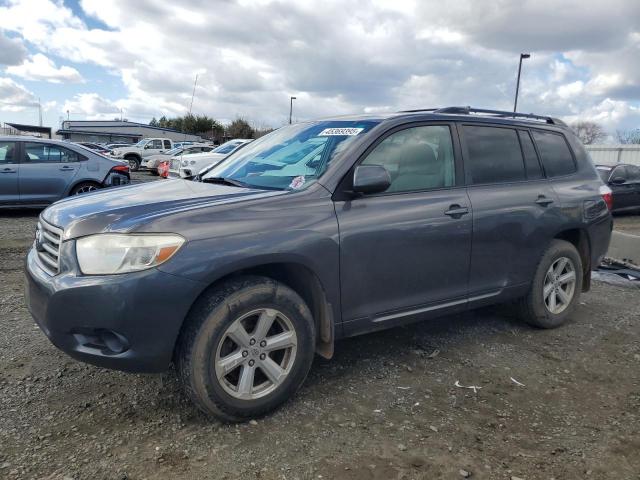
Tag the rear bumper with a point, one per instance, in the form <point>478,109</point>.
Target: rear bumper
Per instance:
<point>125,322</point>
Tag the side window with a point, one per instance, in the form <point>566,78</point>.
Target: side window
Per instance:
<point>156,144</point>
<point>167,144</point>
<point>494,155</point>
<point>621,172</point>
<point>8,152</point>
<point>69,155</point>
<point>531,163</point>
<point>555,153</point>
<point>418,158</point>
<point>633,173</point>
<point>46,153</point>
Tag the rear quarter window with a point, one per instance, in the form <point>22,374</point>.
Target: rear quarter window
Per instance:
<point>555,153</point>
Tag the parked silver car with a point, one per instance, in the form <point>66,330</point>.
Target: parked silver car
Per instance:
<point>151,163</point>
<point>35,172</point>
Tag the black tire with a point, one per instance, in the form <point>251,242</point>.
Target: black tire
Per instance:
<point>205,328</point>
<point>134,163</point>
<point>84,187</point>
<point>532,308</point>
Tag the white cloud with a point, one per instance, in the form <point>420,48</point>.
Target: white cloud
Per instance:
<point>12,50</point>
<point>340,57</point>
<point>41,68</point>
<point>15,97</point>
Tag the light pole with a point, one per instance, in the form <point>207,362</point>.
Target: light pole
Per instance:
<point>291,99</point>
<point>522,57</point>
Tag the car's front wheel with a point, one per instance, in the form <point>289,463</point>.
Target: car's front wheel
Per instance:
<point>556,287</point>
<point>246,348</point>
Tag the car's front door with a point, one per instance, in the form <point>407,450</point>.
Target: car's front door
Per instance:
<point>405,252</point>
<point>621,186</point>
<point>153,147</point>
<point>633,175</point>
<point>46,172</point>
<point>9,171</point>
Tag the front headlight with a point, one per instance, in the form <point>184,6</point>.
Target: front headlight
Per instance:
<point>110,253</point>
<point>185,163</point>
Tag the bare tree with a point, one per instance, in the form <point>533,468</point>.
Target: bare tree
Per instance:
<point>589,132</point>
<point>628,136</point>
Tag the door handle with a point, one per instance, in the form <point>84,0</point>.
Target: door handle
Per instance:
<point>8,170</point>
<point>544,201</point>
<point>456,211</point>
<point>67,168</point>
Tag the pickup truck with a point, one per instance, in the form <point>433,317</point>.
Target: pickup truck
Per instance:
<point>144,148</point>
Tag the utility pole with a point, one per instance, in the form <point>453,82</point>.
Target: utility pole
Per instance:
<point>193,94</point>
<point>291,99</point>
<point>522,57</point>
<point>40,111</point>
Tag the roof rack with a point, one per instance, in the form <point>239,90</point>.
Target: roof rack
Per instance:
<point>493,113</point>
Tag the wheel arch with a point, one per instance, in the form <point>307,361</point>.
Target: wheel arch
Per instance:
<point>75,183</point>
<point>579,238</point>
<point>301,279</point>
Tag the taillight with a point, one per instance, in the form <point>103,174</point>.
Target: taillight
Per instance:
<point>120,168</point>
<point>607,196</point>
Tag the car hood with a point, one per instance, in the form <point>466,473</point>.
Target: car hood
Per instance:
<point>124,209</point>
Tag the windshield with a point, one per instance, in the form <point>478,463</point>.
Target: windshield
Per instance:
<point>173,151</point>
<point>227,147</point>
<point>292,157</point>
<point>141,143</point>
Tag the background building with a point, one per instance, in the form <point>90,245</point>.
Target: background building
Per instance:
<point>19,129</point>
<point>116,131</point>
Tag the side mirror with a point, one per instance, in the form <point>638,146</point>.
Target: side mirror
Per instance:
<point>371,179</point>
<point>617,181</point>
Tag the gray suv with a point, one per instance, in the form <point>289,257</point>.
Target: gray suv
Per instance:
<point>36,172</point>
<point>316,232</point>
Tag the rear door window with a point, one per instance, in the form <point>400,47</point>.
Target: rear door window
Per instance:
<point>531,162</point>
<point>47,153</point>
<point>8,152</point>
<point>556,156</point>
<point>167,144</point>
<point>494,155</point>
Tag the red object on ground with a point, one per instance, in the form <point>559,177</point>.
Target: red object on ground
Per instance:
<point>163,169</point>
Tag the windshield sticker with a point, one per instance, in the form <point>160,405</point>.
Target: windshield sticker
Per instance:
<point>340,132</point>
<point>297,182</point>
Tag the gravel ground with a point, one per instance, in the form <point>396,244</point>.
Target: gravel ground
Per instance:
<point>628,223</point>
<point>385,407</point>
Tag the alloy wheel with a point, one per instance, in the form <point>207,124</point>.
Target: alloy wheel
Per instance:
<point>256,354</point>
<point>559,285</point>
<point>86,189</point>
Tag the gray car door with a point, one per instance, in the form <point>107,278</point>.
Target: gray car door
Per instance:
<point>406,251</point>
<point>9,171</point>
<point>46,172</point>
<point>514,208</point>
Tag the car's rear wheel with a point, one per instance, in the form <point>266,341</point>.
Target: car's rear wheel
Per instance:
<point>246,348</point>
<point>84,187</point>
<point>134,163</point>
<point>556,287</point>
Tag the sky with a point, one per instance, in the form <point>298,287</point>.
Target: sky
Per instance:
<point>100,59</point>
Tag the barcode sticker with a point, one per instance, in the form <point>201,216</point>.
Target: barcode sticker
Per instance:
<point>340,132</point>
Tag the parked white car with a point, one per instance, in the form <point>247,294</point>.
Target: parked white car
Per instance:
<point>144,148</point>
<point>151,163</point>
<point>190,165</point>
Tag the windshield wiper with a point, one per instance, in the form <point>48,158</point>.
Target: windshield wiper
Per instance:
<point>226,181</point>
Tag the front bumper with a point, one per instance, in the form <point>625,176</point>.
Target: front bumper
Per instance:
<point>125,322</point>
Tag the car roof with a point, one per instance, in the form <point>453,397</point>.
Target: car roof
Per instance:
<point>464,114</point>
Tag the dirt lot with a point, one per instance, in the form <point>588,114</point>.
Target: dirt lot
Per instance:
<point>385,407</point>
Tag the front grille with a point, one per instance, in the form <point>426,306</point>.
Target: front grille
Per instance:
<point>48,240</point>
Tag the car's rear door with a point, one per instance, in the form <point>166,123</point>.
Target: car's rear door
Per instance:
<point>514,208</point>
<point>46,172</point>
<point>9,172</point>
<point>406,251</point>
